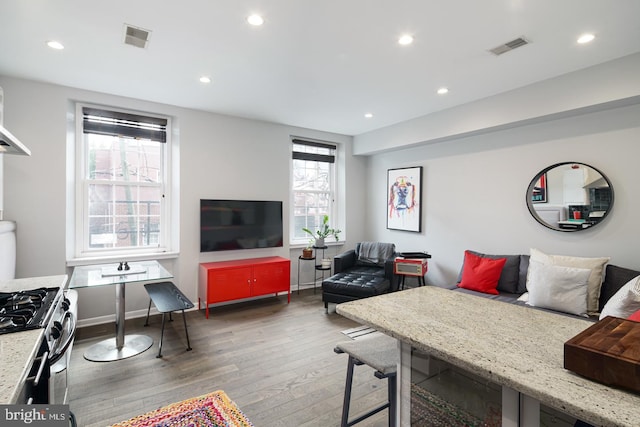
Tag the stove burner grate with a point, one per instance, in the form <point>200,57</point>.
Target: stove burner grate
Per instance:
<point>24,310</point>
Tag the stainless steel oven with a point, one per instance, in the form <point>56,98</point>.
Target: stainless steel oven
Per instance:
<point>55,311</point>
<point>61,335</point>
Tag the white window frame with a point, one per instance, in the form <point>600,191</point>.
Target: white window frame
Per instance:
<point>334,218</point>
<point>81,248</point>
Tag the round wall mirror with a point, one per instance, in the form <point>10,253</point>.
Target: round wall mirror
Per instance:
<point>570,196</point>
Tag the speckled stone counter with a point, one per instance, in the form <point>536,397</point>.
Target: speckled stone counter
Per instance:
<point>18,349</point>
<point>513,346</point>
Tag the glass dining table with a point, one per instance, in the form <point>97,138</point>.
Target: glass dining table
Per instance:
<point>121,346</point>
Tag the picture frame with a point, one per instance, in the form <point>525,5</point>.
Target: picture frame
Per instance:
<point>539,190</point>
<point>404,199</point>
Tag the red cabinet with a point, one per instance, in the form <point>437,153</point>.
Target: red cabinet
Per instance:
<point>246,278</point>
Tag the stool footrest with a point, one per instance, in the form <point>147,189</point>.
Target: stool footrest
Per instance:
<point>368,414</point>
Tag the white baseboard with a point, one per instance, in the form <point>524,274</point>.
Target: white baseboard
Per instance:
<point>111,318</point>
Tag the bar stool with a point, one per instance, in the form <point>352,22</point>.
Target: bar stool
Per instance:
<point>167,298</point>
<point>381,353</point>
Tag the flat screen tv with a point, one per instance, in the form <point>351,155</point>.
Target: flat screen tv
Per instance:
<point>240,224</point>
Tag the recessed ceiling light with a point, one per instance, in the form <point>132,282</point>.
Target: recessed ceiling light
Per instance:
<point>586,38</point>
<point>442,91</point>
<point>368,115</point>
<point>405,40</point>
<point>55,45</point>
<point>255,20</point>
<point>205,79</point>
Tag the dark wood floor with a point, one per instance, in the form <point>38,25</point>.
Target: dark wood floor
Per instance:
<point>274,359</point>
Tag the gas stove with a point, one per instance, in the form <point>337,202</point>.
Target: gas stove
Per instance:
<point>52,311</point>
<point>27,309</point>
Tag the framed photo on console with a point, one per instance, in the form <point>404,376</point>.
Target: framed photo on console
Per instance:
<point>404,199</point>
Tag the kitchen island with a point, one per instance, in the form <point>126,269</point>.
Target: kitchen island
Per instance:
<point>17,350</point>
<point>518,348</point>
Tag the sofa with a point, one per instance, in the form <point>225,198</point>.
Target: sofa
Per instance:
<point>511,288</point>
<point>365,271</point>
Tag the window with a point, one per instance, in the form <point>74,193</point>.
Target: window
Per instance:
<point>313,187</point>
<point>121,183</point>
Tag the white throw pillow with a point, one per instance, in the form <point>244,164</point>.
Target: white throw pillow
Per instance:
<point>625,302</point>
<point>596,265</point>
<point>558,288</point>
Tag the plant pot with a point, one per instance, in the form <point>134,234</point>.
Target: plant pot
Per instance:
<point>307,253</point>
<point>320,242</point>
<point>326,262</point>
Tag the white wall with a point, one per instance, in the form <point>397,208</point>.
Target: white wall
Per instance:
<point>220,156</point>
<point>615,82</point>
<point>474,191</point>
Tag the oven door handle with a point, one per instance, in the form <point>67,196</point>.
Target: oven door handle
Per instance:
<point>69,319</point>
<point>43,363</point>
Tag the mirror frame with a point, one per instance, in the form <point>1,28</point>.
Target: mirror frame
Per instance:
<point>531,207</point>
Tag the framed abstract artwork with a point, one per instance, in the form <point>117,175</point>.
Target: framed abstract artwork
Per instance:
<point>404,194</point>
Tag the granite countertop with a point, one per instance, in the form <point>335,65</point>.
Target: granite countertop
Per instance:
<point>514,346</point>
<point>18,349</point>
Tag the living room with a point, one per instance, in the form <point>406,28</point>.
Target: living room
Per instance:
<point>458,214</point>
<point>477,160</point>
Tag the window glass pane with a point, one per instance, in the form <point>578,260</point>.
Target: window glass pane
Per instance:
<point>123,159</point>
<point>309,175</point>
<point>309,210</point>
<point>123,216</point>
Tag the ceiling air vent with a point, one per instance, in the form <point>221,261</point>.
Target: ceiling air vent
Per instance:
<point>135,36</point>
<point>513,44</point>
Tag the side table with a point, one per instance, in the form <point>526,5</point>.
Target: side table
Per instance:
<point>319,267</point>
<point>416,267</point>
<point>301,258</point>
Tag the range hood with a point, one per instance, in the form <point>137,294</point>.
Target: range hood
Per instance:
<point>9,144</point>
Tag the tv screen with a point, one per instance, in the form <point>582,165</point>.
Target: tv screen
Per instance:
<point>240,224</point>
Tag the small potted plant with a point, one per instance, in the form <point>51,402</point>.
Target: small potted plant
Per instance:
<point>322,232</point>
<point>307,252</point>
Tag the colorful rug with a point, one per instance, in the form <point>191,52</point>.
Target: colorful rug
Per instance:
<point>210,410</point>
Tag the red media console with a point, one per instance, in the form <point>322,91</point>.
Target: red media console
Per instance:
<point>234,280</point>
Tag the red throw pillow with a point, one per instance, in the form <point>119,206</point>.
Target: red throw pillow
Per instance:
<point>635,316</point>
<point>481,274</point>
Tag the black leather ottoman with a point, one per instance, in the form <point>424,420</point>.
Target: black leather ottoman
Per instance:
<point>343,287</point>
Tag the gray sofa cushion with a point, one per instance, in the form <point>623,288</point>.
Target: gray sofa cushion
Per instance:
<point>522,276</point>
<point>502,296</point>
<point>510,276</point>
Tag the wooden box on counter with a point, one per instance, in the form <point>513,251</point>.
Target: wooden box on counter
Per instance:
<point>607,352</point>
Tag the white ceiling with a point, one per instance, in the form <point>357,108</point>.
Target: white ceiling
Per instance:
<point>319,64</point>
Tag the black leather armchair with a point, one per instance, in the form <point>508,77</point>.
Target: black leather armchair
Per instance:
<point>356,276</point>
